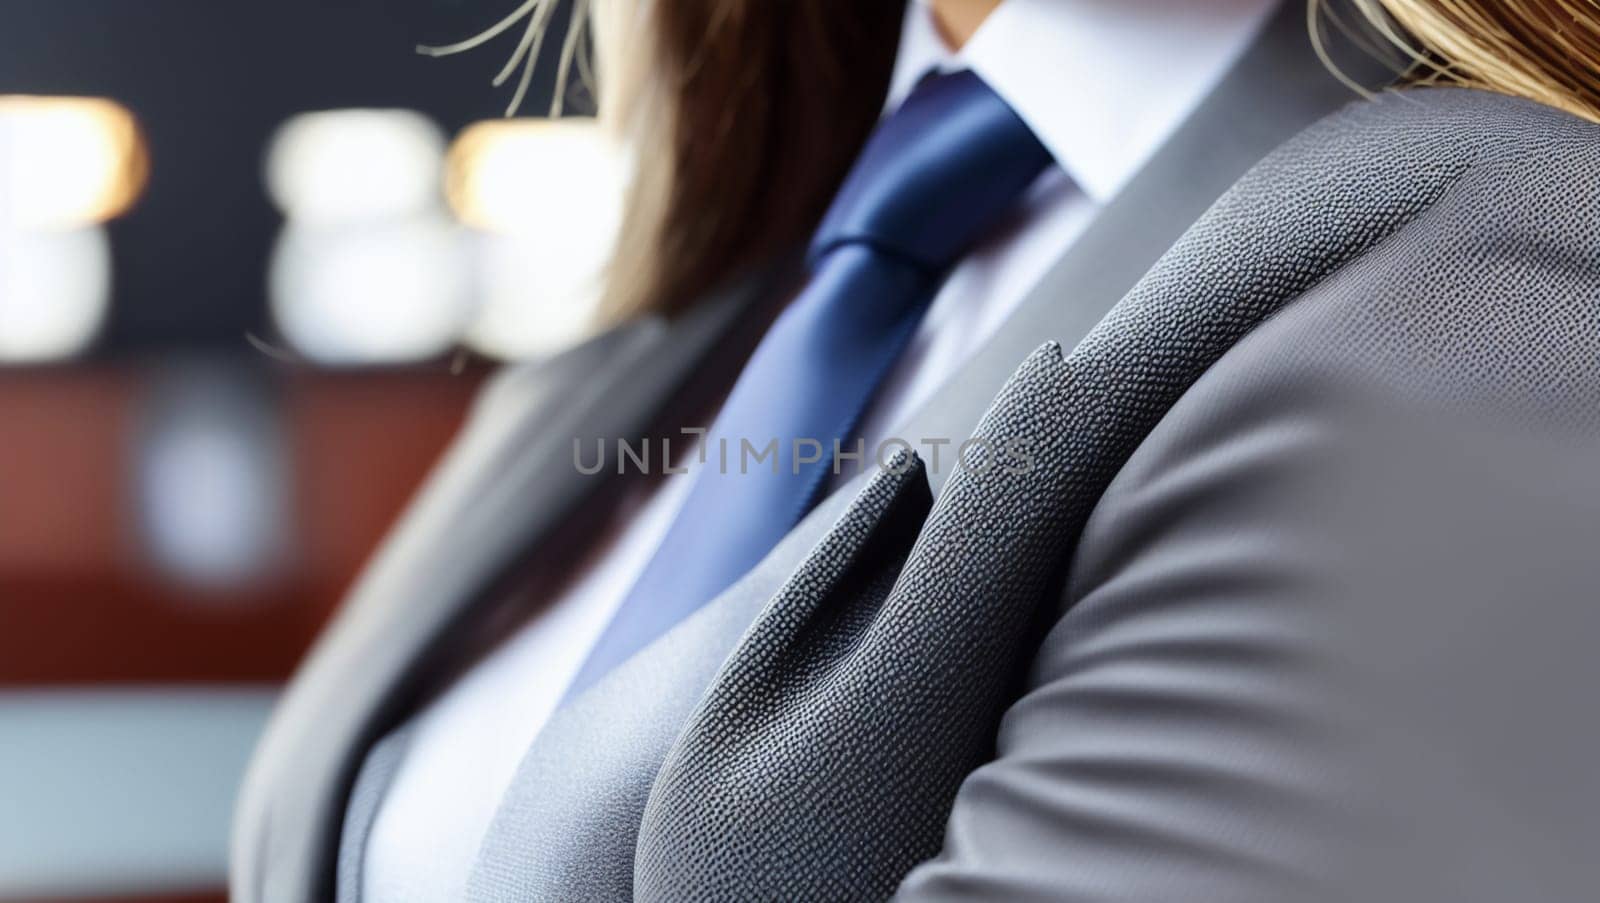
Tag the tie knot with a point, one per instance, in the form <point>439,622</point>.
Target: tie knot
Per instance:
<point>935,175</point>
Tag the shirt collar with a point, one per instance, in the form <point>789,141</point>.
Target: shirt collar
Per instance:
<point>1102,83</point>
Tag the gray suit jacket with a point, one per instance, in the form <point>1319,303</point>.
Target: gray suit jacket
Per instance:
<point>1293,599</point>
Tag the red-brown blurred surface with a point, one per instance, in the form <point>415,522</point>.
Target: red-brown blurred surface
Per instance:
<point>78,601</point>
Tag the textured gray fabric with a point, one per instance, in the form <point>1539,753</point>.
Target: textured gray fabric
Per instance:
<point>570,817</point>
<point>825,758</point>
<point>1329,634</point>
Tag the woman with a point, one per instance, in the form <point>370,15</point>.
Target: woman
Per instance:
<point>1277,585</point>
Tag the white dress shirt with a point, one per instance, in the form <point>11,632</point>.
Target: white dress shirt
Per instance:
<point>1101,83</point>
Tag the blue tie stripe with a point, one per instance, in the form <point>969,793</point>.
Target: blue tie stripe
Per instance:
<point>931,181</point>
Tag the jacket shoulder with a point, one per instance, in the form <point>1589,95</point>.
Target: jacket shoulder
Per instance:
<point>1410,166</point>
<point>1453,118</point>
<point>1504,153</point>
<point>1460,219</point>
<point>1437,244</point>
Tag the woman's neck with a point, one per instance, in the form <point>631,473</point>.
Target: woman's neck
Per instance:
<point>958,20</point>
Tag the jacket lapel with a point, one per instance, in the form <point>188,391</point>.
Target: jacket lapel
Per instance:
<point>503,485</point>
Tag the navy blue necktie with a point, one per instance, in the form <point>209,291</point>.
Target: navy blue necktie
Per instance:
<point>934,177</point>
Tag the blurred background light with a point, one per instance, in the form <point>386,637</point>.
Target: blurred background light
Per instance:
<point>368,269</point>
<point>533,175</point>
<point>55,288</point>
<point>383,292</point>
<point>535,297</point>
<point>545,196</point>
<point>67,162</point>
<point>211,483</point>
<point>341,165</point>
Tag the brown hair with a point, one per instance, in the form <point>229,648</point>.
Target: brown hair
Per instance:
<point>745,114</point>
